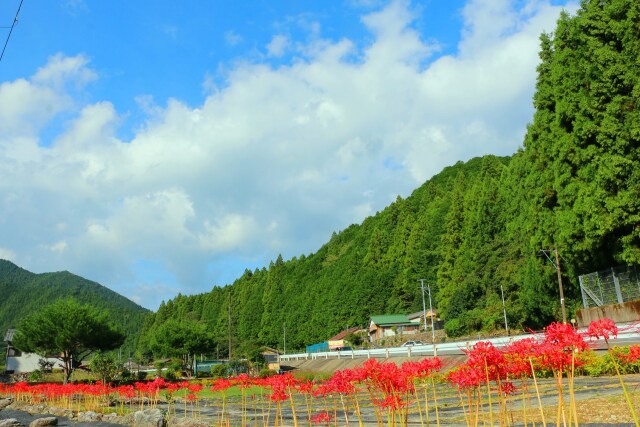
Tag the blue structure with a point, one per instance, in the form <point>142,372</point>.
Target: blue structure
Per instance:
<point>318,348</point>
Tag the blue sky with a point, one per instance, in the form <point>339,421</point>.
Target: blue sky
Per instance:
<point>163,147</point>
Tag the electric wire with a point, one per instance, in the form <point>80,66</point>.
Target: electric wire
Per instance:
<point>13,24</point>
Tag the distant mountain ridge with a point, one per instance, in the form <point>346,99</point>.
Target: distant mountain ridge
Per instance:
<point>23,292</point>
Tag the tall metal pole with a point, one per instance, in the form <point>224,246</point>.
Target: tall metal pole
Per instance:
<point>504,310</point>
<point>424,308</point>
<point>229,326</point>
<point>433,332</point>
<point>564,312</point>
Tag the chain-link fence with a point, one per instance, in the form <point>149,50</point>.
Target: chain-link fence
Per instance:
<point>612,286</point>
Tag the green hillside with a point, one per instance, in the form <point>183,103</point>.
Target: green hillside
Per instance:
<point>24,292</point>
<point>476,226</point>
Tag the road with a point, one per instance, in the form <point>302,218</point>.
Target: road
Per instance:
<point>627,336</point>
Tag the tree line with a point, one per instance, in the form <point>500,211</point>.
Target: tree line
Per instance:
<point>476,227</point>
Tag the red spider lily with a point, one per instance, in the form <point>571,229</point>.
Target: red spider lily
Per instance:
<point>507,388</point>
<point>564,336</point>
<point>126,391</point>
<point>243,381</point>
<point>278,395</point>
<point>485,356</point>
<point>386,377</point>
<point>340,382</point>
<point>392,402</point>
<point>602,328</point>
<point>322,390</point>
<point>195,388</point>
<point>321,418</point>
<point>173,387</point>
<point>557,350</point>
<point>421,369</point>
<point>281,386</point>
<point>306,387</point>
<point>221,384</point>
<point>191,397</point>
<point>634,354</point>
<point>519,355</point>
<point>466,376</point>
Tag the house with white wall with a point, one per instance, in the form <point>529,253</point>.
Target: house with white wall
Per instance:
<point>18,362</point>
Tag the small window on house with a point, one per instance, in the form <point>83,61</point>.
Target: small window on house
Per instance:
<point>14,352</point>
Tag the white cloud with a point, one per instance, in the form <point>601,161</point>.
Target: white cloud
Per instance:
<point>232,38</point>
<point>62,69</point>
<point>272,162</point>
<point>278,46</point>
<point>231,232</point>
<point>7,254</point>
<point>60,246</point>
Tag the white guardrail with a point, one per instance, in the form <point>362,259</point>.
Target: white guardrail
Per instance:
<point>447,348</point>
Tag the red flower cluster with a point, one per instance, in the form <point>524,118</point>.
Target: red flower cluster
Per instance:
<point>321,418</point>
<point>602,328</point>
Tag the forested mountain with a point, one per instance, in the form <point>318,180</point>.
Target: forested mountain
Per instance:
<point>477,226</point>
<point>24,293</point>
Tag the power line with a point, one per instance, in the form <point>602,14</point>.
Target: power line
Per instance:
<point>13,24</point>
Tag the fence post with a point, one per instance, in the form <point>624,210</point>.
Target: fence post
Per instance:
<point>585,302</point>
<point>616,283</point>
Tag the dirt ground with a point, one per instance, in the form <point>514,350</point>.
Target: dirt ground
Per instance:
<point>599,402</point>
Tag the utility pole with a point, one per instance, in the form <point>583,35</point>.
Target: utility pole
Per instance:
<point>504,310</point>
<point>424,308</point>
<point>564,311</point>
<point>433,332</point>
<point>556,264</point>
<point>229,326</point>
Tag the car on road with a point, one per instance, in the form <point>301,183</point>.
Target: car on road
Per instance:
<point>412,343</point>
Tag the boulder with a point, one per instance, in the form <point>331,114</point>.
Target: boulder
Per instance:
<point>115,419</point>
<point>60,412</point>
<point>10,422</point>
<point>88,417</point>
<point>44,422</point>
<point>4,403</point>
<point>149,418</point>
<point>126,420</point>
<point>186,422</point>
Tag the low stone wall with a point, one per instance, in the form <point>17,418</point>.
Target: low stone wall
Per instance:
<point>619,313</point>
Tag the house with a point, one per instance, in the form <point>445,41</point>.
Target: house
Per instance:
<point>418,317</point>
<point>389,325</point>
<point>18,362</point>
<point>338,343</point>
<point>271,358</point>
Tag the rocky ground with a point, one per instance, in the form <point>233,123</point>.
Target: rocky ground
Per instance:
<point>599,403</point>
<point>16,414</point>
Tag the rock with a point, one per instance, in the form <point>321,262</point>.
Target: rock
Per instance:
<point>113,419</point>
<point>10,422</point>
<point>186,422</point>
<point>60,412</point>
<point>149,418</point>
<point>88,417</point>
<point>43,422</point>
<point>126,420</point>
<point>4,403</point>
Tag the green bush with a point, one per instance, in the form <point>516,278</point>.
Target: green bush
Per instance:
<point>454,328</point>
<point>602,364</point>
<point>219,371</point>
<point>266,372</point>
<point>36,376</point>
